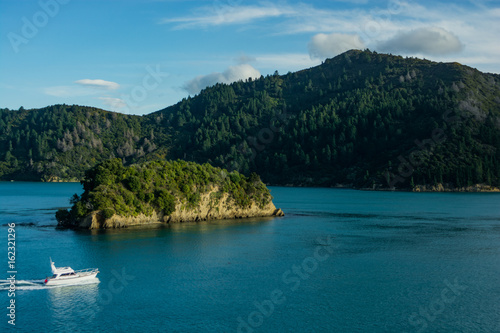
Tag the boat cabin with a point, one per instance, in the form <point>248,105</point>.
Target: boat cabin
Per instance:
<point>61,272</point>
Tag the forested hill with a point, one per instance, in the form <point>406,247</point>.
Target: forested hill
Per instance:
<point>62,141</point>
<point>360,118</point>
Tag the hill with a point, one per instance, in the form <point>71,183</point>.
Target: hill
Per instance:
<point>161,191</point>
<point>363,119</point>
<point>62,141</point>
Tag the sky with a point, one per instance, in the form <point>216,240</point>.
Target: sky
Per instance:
<point>140,56</point>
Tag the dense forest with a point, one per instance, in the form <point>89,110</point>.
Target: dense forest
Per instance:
<point>63,141</point>
<point>111,188</point>
<point>363,119</point>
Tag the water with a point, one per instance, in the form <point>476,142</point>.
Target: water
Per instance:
<point>339,261</point>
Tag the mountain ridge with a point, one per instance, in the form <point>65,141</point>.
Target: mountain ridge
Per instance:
<point>355,119</point>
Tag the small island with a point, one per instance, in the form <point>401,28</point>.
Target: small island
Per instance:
<point>117,196</point>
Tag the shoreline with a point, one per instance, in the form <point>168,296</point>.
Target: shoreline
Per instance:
<point>476,188</point>
<point>96,221</point>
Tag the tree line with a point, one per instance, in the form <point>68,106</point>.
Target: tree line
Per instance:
<point>351,120</point>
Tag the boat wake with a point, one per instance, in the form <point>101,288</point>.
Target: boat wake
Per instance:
<point>39,284</point>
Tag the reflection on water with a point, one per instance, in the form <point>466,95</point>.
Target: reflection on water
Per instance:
<point>73,305</point>
<point>162,229</point>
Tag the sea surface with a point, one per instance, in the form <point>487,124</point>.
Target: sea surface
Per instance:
<point>339,261</point>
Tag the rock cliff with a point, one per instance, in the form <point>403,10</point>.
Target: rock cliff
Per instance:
<point>209,208</point>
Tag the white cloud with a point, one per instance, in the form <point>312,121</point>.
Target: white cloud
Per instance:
<point>245,59</point>
<point>99,84</point>
<point>81,89</point>
<point>225,14</point>
<point>232,74</point>
<point>325,46</point>
<point>112,102</point>
<point>429,41</point>
<point>287,18</point>
<point>469,27</point>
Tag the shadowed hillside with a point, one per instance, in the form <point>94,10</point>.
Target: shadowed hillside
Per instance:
<point>361,118</point>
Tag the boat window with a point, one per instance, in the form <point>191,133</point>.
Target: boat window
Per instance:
<point>54,276</point>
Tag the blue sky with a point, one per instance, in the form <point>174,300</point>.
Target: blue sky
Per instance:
<point>139,56</point>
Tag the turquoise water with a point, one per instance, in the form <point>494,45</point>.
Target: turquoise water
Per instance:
<point>339,261</point>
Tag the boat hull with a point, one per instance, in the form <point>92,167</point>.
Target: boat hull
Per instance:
<point>80,278</point>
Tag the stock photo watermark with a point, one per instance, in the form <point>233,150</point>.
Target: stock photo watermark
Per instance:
<point>254,144</point>
<point>424,148</point>
<point>140,92</point>
<point>265,136</point>
<point>11,272</point>
<point>416,157</point>
<point>31,26</point>
<point>222,7</point>
<point>292,279</point>
<point>374,27</point>
<point>115,286</point>
<point>428,314</point>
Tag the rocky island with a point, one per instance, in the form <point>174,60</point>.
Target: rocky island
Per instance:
<point>117,196</point>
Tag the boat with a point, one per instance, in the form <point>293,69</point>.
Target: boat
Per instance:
<point>66,275</point>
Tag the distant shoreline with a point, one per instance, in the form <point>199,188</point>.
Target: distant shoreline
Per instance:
<point>476,188</point>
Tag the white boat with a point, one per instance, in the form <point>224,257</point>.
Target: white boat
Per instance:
<point>66,275</point>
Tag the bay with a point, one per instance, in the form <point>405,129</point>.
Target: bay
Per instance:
<point>339,261</point>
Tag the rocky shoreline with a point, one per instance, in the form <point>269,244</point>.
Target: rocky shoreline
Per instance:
<point>418,188</point>
<point>209,208</point>
<point>446,188</point>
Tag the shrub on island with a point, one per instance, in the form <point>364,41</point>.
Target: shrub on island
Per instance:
<point>160,188</point>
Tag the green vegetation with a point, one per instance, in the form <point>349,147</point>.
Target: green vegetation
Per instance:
<point>112,188</point>
<point>361,118</point>
<point>63,141</point>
